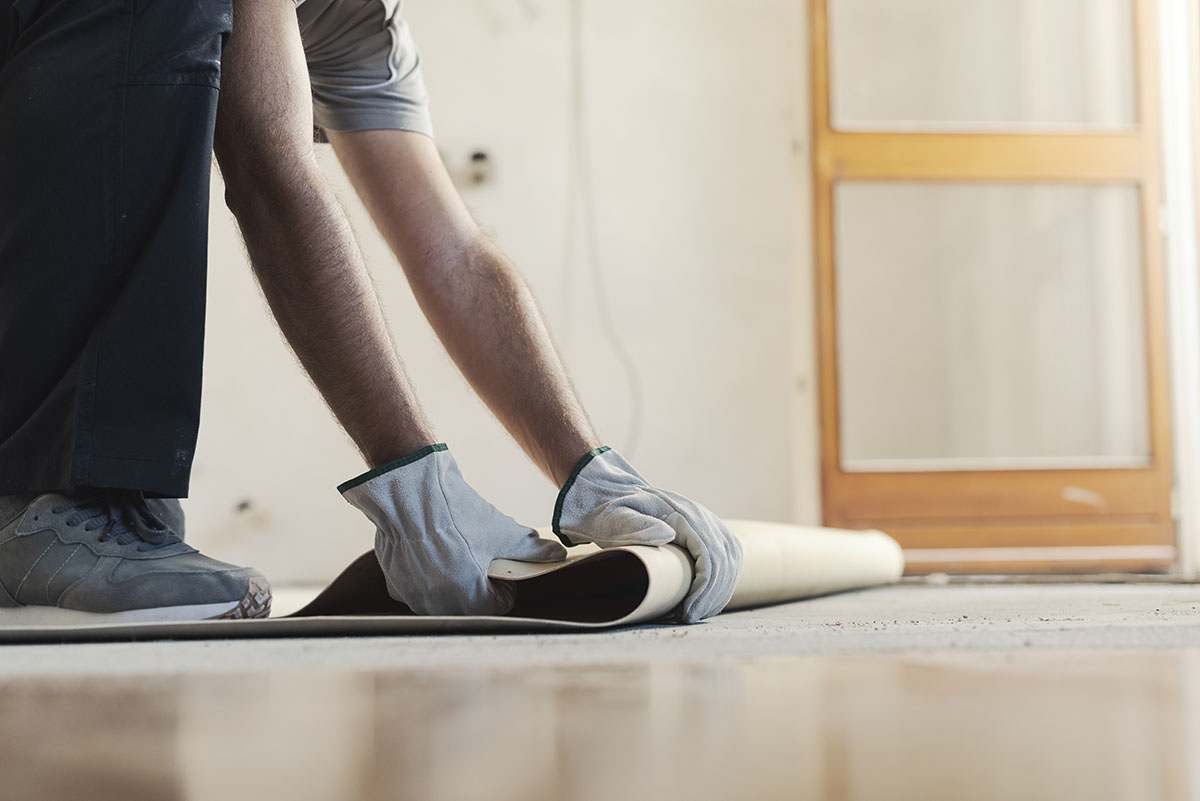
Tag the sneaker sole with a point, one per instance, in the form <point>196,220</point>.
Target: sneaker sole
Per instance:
<point>256,603</point>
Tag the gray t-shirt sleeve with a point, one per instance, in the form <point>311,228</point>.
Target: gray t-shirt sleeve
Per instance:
<point>363,65</point>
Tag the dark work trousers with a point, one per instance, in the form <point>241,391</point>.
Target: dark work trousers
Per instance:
<point>107,110</point>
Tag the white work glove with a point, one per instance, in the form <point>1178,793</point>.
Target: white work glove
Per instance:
<point>607,502</point>
<point>435,536</point>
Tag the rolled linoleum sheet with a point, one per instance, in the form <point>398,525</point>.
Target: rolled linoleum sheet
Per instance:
<point>787,563</point>
<point>781,562</point>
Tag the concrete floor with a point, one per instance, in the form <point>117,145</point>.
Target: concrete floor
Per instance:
<point>898,619</point>
<point>922,692</point>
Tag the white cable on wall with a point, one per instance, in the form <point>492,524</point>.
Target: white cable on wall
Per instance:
<point>581,209</point>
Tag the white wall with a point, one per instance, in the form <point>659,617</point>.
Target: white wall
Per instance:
<point>699,128</point>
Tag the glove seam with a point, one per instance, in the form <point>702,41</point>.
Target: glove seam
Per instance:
<point>392,465</point>
<point>562,493</point>
<point>454,524</point>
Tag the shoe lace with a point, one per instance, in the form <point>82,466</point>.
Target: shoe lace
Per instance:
<point>121,515</point>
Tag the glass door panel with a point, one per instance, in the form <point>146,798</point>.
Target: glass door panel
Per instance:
<point>990,326</point>
<point>982,64</point>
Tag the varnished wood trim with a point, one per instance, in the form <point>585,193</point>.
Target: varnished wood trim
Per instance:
<point>1075,564</point>
<point>1154,269</point>
<point>1092,533</point>
<point>993,495</point>
<point>983,157</point>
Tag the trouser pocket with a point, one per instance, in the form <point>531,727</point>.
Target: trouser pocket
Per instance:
<point>179,41</point>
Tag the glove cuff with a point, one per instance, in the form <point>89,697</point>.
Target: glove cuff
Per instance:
<point>562,493</point>
<point>396,463</point>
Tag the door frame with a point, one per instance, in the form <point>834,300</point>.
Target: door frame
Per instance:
<point>1179,66</point>
<point>1054,520</point>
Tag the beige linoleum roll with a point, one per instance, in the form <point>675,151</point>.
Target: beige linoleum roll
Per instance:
<point>786,563</point>
<point>782,562</point>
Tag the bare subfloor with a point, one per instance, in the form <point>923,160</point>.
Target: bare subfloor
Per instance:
<point>909,692</point>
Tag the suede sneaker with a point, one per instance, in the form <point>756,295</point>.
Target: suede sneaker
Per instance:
<point>105,557</point>
<point>170,513</point>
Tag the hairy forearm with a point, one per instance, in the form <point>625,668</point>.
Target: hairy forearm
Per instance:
<point>486,316</point>
<point>300,243</point>
<point>478,304</point>
<point>307,264</point>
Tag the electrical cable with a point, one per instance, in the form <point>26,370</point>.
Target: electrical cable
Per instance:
<point>581,205</point>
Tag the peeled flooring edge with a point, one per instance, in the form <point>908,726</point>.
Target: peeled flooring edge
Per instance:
<point>593,590</point>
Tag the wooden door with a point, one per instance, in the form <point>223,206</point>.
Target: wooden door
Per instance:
<point>990,290</point>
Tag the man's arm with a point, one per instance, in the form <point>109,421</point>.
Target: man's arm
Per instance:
<point>479,305</point>
<point>300,243</point>
<point>487,318</point>
<point>434,536</point>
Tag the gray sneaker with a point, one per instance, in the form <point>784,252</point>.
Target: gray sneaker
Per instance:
<point>106,557</point>
<point>169,512</point>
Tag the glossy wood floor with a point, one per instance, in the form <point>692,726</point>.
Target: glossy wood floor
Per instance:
<point>1054,725</point>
